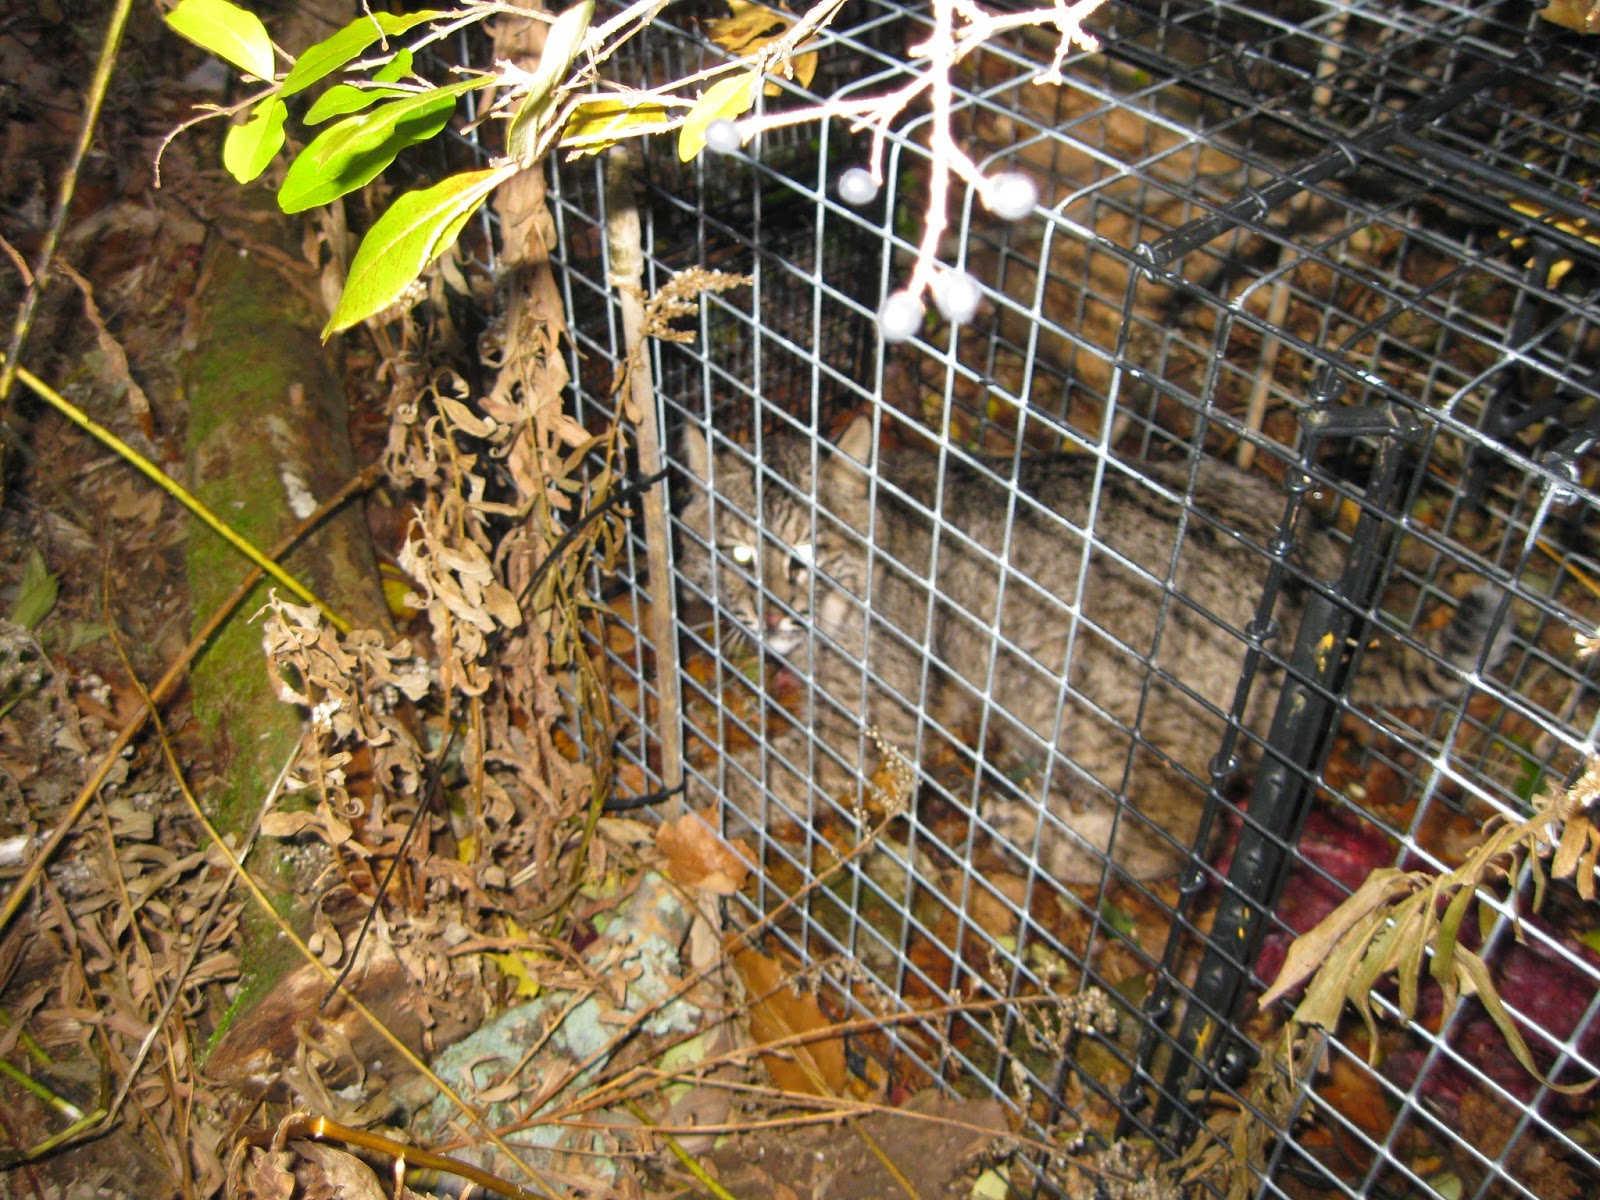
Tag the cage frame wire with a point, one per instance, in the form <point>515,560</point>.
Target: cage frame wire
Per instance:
<point>1296,742</point>
<point>1479,51</point>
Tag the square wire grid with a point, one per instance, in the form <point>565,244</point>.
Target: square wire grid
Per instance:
<point>1292,236</point>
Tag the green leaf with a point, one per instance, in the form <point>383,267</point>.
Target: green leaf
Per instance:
<point>328,55</point>
<point>1530,779</point>
<point>1120,919</point>
<point>343,98</point>
<point>1444,942</point>
<point>726,99</point>
<point>36,593</point>
<point>598,125</point>
<point>397,67</point>
<point>1475,980</point>
<point>561,46</point>
<point>418,227</point>
<point>355,151</point>
<point>82,633</point>
<point>248,148</point>
<point>227,31</point>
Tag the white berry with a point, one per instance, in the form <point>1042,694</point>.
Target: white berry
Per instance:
<point>900,317</point>
<point>1011,195</point>
<point>957,295</point>
<point>722,135</point>
<point>857,186</point>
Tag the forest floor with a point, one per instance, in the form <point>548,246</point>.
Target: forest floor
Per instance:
<point>587,956</point>
<point>125,962</point>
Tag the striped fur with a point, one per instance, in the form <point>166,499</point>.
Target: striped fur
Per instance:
<point>1101,661</point>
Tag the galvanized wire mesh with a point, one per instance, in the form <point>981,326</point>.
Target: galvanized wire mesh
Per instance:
<point>1351,247</point>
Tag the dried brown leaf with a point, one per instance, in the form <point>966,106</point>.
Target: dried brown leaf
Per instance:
<point>1329,988</point>
<point>698,858</point>
<point>1316,946</point>
<point>1577,852</point>
<point>329,1173</point>
<point>465,419</point>
<point>778,1013</point>
<point>263,1175</point>
<point>323,824</point>
<point>115,357</point>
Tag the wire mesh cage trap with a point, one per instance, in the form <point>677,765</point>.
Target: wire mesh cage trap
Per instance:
<point>1241,546</point>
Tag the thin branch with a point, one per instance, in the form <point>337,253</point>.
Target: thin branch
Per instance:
<point>69,182</point>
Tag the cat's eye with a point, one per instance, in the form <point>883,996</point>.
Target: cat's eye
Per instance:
<point>742,554</point>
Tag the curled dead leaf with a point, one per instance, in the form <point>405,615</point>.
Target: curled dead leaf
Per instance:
<point>804,1059</point>
<point>464,418</point>
<point>324,825</point>
<point>1314,947</point>
<point>1581,16</point>
<point>698,858</point>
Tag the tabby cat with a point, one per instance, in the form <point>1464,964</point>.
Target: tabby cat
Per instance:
<point>923,620</point>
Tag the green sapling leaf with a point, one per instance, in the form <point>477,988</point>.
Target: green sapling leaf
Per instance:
<point>248,148</point>
<point>397,67</point>
<point>418,227</point>
<point>355,151</point>
<point>561,46</point>
<point>343,98</point>
<point>36,592</point>
<point>328,55</point>
<point>226,30</point>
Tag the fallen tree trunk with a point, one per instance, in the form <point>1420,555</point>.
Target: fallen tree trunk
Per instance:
<point>268,438</point>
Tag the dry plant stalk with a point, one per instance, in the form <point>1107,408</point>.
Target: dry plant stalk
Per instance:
<point>1397,919</point>
<point>1394,924</point>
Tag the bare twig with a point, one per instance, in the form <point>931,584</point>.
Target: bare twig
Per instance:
<point>69,183</point>
<point>626,269</point>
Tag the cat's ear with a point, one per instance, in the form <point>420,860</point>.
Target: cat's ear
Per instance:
<point>694,449</point>
<point>856,441</point>
<point>844,474</point>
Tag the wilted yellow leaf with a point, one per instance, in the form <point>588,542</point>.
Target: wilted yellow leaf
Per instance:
<point>518,965</point>
<point>753,26</point>
<point>598,125</point>
<point>1580,15</point>
<point>725,99</point>
<point>749,27</point>
<point>1314,947</point>
<point>1475,981</point>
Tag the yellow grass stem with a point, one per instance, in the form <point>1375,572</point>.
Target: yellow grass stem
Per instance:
<point>93,100</point>
<point>690,1163</point>
<point>163,689</point>
<point>173,488</point>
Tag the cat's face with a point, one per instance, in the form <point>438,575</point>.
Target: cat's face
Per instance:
<point>781,572</point>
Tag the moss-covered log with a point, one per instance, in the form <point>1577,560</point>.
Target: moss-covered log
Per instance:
<point>268,438</point>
